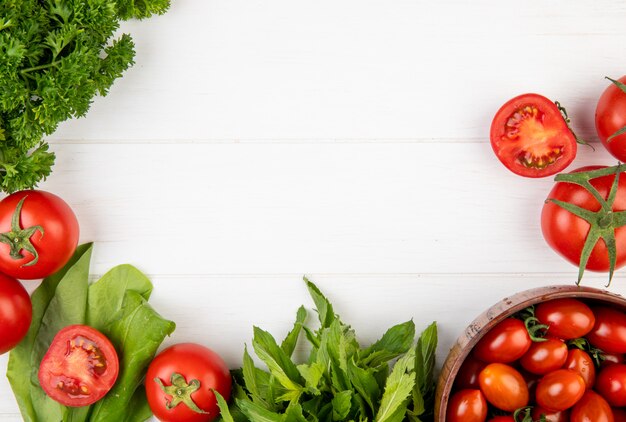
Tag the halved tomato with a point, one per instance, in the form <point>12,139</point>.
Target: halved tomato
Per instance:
<point>531,138</point>
<point>80,366</point>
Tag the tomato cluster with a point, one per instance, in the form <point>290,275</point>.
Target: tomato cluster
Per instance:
<point>562,360</point>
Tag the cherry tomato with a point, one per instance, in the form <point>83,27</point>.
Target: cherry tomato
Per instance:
<point>467,406</point>
<point>16,313</point>
<point>180,381</point>
<point>619,415</point>
<point>538,412</point>
<point>611,384</point>
<point>611,358</point>
<point>560,390</point>
<point>566,233</point>
<point>609,331</point>
<point>80,366</point>
<point>567,318</point>
<point>531,138</point>
<point>545,356</point>
<point>580,362</point>
<point>39,234</point>
<point>611,117</point>
<point>467,377</point>
<point>502,419</point>
<point>591,408</point>
<point>503,386</point>
<point>504,343</point>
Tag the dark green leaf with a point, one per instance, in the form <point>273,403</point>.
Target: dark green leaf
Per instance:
<point>342,402</point>
<point>396,341</point>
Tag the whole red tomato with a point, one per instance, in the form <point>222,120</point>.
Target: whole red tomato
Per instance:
<point>467,377</point>
<point>611,384</point>
<point>549,416</point>
<point>80,366</point>
<point>560,390</point>
<point>16,313</point>
<point>180,381</point>
<point>39,234</point>
<point>580,362</point>
<point>503,386</point>
<point>504,343</point>
<point>591,408</point>
<point>567,233</point>
<point>531,138</point>
<point>611,117</point>
<point>545,356</point>
<point>467,406</point>
<point>609,331</point>
<point>567,318</point>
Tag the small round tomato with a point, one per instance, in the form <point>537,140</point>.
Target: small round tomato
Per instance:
<point>180,383</point>
<point>611,358</point>
<point>16,313</point>
<point>531,138</point>
<point>503,386</point>
<point>467,377</point>
<point>611,384</point>
<point>560,390</point>
<point>611,117</point>
<point>39,234</point>
<point>467,406</point>
<point>545,356</point>
<point>80,366</point>
<point>609,331</point>
<point>619,415</point>
<point>580,362</point>
<point>591,408</point>
<point>504,343</point>
<point>549,416</point>
<point>567,318</point>
<point>566,233</point>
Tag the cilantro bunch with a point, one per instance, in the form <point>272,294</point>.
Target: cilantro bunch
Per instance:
<point>55,56</point>
<point>389,381</point>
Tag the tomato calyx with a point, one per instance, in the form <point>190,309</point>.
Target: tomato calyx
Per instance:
<point>597,355</point>
<point>18,238</point>
<point>568,122</point>
<point>536,330</point>
<point>602,222</point>
<point>623,88</point>
<point>524,415</point>
<point>180,391</point>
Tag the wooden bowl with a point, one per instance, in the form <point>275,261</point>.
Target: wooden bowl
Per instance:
<point>501,310</point>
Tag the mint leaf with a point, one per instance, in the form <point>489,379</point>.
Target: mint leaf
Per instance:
<point>324,308</point>
<point>289,343</point>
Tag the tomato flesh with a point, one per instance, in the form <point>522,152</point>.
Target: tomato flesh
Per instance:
<point>531,138</point>
<point>80,366</point>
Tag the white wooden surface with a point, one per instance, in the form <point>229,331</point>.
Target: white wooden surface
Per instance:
<point>257,141</point>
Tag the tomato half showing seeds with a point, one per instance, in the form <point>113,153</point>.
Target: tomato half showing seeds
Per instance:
<point>16,313</point>
<point>611,117</point>
<point>591,408</point>
<point>609,331</point>
<point>611,384</point>
<point>503,386</point>
<point>545,356</point>
<point>180,381</point>
<point>504,343</point>
<point>567,318</point>
<point>531,138</point>
<point>80,366</point>
<point>580,362</point>
<point>39,234</point>
<point>560,390</point>
<point>467,406</point>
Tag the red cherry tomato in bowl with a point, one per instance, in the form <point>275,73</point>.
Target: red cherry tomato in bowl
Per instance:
<point>560,390</point>
<point>16,313</point>
<point>591,408</point>
<point>531,138</point>
<point>504,343</point>
<point>467,406</point>
<point>567,318</point>
<point>545,356</point>
<point>80,366</point>
<point>580,362</point>
<point>39,234</point>
<point>611,117</point>
<point>195,368</point>
<point>549,416</point>
<point>611,384</point>
<point>503,386</point>
<point>609,331</point>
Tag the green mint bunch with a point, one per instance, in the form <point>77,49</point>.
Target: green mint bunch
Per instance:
<point>55,56</point>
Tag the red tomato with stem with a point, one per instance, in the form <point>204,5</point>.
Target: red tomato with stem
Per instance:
<point>611,117</point>
<point>580,362</point>
<point>566,318</point>
<point>80,366</point>
<point>559,390</point>
<point>611,384</point>
<point>592,216</point>
<point>39,234</point>
<point>504,343</point>
<point>467,406</point>
<point>503,386</point>
<point>180,383</point>
<point>591,408</point>
<point>538,412</point>
<point>16,313</point>
<point>545,356</point>
<point>531,138</point>
<point>609,331</point>
<point>467,377</point>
